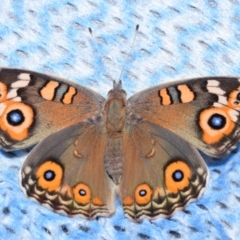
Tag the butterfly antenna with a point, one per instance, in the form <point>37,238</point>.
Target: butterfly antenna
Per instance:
<point>136,31</point>
<point>94,40</point>
<point>96,45</point>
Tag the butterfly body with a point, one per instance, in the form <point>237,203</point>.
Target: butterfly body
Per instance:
<point>114,117</point>
<point>142,149</point>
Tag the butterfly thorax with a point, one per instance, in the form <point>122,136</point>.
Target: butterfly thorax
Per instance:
<point>114,117</point>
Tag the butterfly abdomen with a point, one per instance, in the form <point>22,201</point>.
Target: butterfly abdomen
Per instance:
<point>113,158</point>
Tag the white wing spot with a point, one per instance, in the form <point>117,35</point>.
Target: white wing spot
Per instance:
<point>23,80</point>
<point>212,87</point>
<point>213,83</point>
<point>200,170</point>
<point>222,100</point>
<point>12,94</point>
<point>31,181</point>
<point>24,76</point>
<point>27,169</point>
<point>234,115</point>
<point>19,84</point>
<point>216,90</point>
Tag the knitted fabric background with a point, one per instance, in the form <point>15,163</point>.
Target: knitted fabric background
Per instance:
<point>176,40</point>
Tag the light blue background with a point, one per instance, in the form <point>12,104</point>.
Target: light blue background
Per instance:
<point>176,39</point>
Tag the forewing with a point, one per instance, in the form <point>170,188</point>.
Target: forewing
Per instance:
<point>203,111</point>
<point>34,105</point>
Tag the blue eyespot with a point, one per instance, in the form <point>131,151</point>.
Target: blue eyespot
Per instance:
<point>49,175</point>
<point>142,193</point>
<point>15,117</point>
<point>217,121</point>
<point>177,176</point>
<point>82,192</point>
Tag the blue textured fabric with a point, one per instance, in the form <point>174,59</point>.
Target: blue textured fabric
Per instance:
<point>176,40</point>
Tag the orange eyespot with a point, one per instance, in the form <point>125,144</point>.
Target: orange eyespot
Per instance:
<point>49,176</point>
<point>143,194</point>
<point>17,119</point>
<point>215,124</point>
<point>177,175</point>
<point>82,193</point>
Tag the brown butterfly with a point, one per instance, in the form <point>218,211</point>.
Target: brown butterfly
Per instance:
<point>143,148</point>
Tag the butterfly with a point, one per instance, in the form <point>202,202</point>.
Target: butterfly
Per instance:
<point>142,149</point>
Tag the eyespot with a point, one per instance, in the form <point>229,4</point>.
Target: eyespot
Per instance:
<point>215,124</point>
<point>49,175</point>
<point>177,175</point>
<point>143,194</point>
<point>82,193</point>
<point>217,121</point>
<point>16,120</point>
<point>15,117</point>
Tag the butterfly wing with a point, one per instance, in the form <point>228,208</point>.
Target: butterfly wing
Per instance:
<point>161,172</point>
<point>34,105</point>
<point>66,172</point>
<point>203,111</point>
